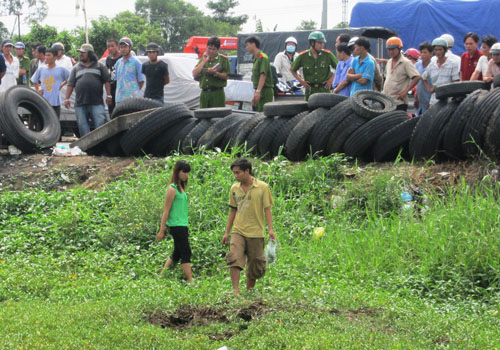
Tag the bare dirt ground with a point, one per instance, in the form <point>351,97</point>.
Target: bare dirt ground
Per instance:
<point>47,172</point>
<point>39,171</point>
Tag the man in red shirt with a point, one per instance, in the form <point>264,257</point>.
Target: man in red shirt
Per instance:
<point>470,56</point>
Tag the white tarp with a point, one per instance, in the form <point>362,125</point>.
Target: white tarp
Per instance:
<point>182,86</point>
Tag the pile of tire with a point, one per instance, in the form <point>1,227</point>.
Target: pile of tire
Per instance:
<point>366,126</point>
<point>27,120</point>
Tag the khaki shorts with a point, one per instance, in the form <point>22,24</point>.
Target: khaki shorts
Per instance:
<point>249,251</point>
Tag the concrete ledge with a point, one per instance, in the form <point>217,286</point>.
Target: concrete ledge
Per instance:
<point>110,129</point>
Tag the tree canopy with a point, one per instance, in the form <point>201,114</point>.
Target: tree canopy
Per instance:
<point>33,10</point>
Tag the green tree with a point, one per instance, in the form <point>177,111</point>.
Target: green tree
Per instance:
<point>307,25</point>
<point>33,10</point>
<point>49,35</point>
<point>4,32</point>
<point>258,26</point>
<point>179,20</point>
<point>126,23</point>
<point>221,12</point>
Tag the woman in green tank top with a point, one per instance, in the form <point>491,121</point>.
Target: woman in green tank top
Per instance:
<point>175,217</point>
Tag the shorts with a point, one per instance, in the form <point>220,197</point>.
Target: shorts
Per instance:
<point>182,250</point>
<point>247,251</point>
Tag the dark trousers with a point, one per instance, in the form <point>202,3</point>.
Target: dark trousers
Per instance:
<point>182,250</point>
<point>402,107</point>
<point>57,109</point>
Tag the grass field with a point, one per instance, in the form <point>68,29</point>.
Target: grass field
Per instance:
<point>79,269</point>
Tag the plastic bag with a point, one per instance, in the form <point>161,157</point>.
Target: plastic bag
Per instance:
<point>271,251</point>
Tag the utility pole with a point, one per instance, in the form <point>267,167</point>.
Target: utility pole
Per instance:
<point>84,9</point>
<point>324,15</point>
<point>344,13</point>
<point>19,24</point>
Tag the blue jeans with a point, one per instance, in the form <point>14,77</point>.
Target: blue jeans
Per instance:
<point>96,113</point>
<point>160,99</point>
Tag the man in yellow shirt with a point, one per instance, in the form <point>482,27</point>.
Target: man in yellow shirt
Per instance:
<point>250,201</point>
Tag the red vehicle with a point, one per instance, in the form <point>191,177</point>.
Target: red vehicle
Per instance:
<point>198,44</point>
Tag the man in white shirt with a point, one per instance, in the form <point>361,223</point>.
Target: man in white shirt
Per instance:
<point>62,60</point>
<point>450,41</point>
<point>12,65</point>
<point>284,59</point>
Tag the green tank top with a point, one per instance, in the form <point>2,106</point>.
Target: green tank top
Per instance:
<point>178,215</point>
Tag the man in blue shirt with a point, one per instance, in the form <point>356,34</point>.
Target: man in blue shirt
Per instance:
<point>128,73</point>
<point>362,69</point>
<point>341,85</point>
<point>423,97</point>
<point>48,80</point>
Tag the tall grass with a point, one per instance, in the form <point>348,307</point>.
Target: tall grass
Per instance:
<point>448,249</point>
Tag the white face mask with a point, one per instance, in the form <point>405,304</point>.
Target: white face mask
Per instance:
<point>290,48</point>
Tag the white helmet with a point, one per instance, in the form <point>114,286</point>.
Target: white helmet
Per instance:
<point>449,40</point>
<point>352,41</point>
<point>495,49</point>
<point>291,40</point>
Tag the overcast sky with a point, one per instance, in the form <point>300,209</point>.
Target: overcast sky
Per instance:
<point>286,14</point>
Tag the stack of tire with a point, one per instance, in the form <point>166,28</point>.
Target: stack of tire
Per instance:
<point>27,120</point>
<point>366,126</point>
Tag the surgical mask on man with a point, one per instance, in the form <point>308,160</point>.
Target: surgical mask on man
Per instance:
<point>290,48</point>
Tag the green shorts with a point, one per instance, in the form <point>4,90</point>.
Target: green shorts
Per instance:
<point>247,251</point>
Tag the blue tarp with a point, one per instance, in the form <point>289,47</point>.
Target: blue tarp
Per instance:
<point>420,20</point>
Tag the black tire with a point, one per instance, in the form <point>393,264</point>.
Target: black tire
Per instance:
<point>297,144</point>
<point>325,100</point>
<point>152,125</point>
<point>165,142</point>
<point>326,126</point>
<point>181,135</point>
<point>134,104</point>
<point>360,141</point>
<point>419,135</point>
<point>282,136</point>
<point>226,143</point>
<point>475,128</point>
<point>253,139</point>
<point>208,113</point>
<point>452,140</point>
<point>285,108</point>
<point>113,146</point>
<point>459,89</point>
<point>216,132</point>
<point>435,134</point>
<point>492,137</point>
<point>269,135</point>
<point>390,143</point>
<point>246,128</point>
<point>27,140</point>
<point>496,81</point>
<point>341,133</point>
<point>190,141</point>
<point>365,109</point>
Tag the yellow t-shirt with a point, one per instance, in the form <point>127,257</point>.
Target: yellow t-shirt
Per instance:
<point>250,218</point>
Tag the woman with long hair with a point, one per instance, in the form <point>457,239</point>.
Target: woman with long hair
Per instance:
<point>175,217</point>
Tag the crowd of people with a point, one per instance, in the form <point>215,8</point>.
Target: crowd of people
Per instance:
<point>419,70</point>
<point>317,69</point>
<point>122,76</point>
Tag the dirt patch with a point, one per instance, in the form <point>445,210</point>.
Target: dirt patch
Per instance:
<point>189,316</point>
<point>46,172</point>
<point>186,317</point>
<point>252,311</point>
